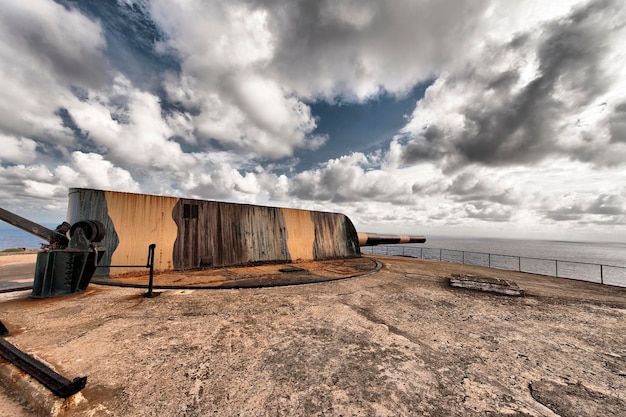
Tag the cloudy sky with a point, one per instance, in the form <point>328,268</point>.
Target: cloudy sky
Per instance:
<point>434,117</point>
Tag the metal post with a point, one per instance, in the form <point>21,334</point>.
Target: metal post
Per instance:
<point>519,263</point>
<point>150,264</point>
<point>463,257</point>
<point>556,268</point>
<point>421,255</point>
<point>601,274</point>
<point>489,259</point>
<point>439,255</point>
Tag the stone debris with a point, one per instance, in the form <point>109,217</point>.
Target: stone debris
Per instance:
<point>486,284</point>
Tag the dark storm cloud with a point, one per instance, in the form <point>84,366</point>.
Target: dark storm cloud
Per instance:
<point>353,50</point>
<point>430,145</point>
<point>507,125</point>
<point>566,213</point>
<point>428,187</point>
<point>607,204</point>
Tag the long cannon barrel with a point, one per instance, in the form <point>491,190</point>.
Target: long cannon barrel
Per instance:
<point>373,239</point>
<point>28,226</point>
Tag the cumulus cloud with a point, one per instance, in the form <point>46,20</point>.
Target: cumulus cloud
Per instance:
<point>468,186</point>
<point>518,102</point>
<point>222,182</point>
<point>256,116</point>
<point>247,66</point>
<point>59,41</point>
<point>347,179</point>
<point>46,48</point>
<point>126,125</point>
<point>617,124</point>
<point>212,100</point>
<point>356,49</point>
<point>600,209</point>
<point>223,85</point>
<point>31,192</point>
<point>92,170</point>
<point>17,150</point>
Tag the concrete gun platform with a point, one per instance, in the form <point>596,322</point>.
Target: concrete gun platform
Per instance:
<point>397,342</point>
<point>266,275</point>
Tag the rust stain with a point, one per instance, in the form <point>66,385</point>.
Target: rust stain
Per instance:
<point>335,236</point>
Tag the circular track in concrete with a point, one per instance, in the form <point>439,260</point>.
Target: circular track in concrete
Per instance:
<point>270,275</point>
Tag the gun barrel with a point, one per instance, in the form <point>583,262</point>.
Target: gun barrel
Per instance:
<point>373,239</point>
<point>27,225</point>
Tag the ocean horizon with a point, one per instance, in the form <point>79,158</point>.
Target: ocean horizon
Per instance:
<point>602,262</point>
<point>600,252</point>
<point>592,252</point>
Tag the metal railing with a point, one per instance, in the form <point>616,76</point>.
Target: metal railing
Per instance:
<point>583,271</point>
<point>149,264</point>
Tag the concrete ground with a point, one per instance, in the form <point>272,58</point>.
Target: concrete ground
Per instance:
<point>16,270</point>
<point>399,342</point>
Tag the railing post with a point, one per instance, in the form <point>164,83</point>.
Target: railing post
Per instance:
<point>531,262</point>
<point>601,274</point>
<point>150,264</point>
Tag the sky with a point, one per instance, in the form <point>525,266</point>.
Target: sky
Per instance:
<point>477,118</point>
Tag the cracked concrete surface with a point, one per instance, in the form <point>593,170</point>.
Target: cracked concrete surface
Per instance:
<point>400,342</point>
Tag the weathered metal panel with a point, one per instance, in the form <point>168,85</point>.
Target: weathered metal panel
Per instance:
<point>197,226</point>
<point>335,236</point>
<point>250,234</point>
<point>300,233</point>
<point>197,233</point>
<point>91,204</point>
<point>198,229</point>
<point>141,220</point>
<point>132,222</point>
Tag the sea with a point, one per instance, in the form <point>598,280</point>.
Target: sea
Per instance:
<point>603,262</point>
<point>12,237</point>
